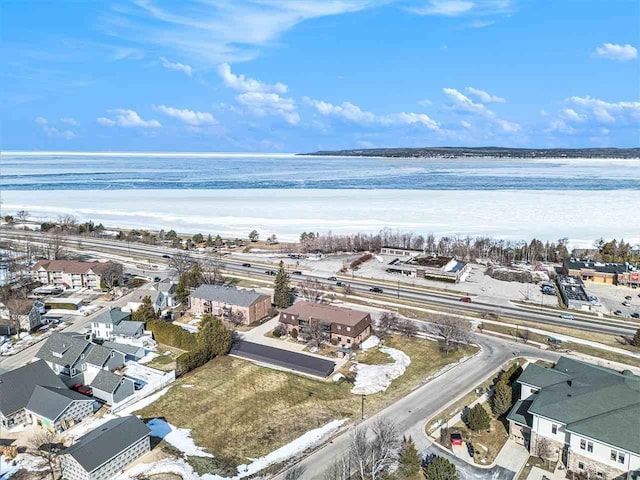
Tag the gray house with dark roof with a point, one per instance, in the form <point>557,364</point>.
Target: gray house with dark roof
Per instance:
<point>33,394</point>
<point>589,416</point>
<point>105,451</point>
<point>114,324</point>
<point>226,300</point>
<point>112,388</point>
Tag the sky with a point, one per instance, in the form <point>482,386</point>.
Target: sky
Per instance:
<point>305,75</point>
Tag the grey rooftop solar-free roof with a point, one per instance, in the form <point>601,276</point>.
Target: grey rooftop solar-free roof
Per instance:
<point>17,386</point>
<point>127,328</point>
<point>227,294</point>
<point>50,402</point>
<point>106,381</point>
<point>63,350</point>
<point>112,315</point>
<point>124,348</point>
<point>106,441</point>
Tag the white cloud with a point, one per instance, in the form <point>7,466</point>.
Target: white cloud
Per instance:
<point>41,121</point>
<point>461,103</point>
<point>613,51</point>
<point>70,121</point>
<point>261,103</point>
<point>353,113</point>
<point>465,124</point>
<point>127,119</point>
<point>484,97</point>
<point>607,112</point>
<point>52,131</point>
<point>571,114</point>
<point>245,84</point>
<point>125,54</point>
<point>459,8</point>
<point>425,103</point>
<point>187,116</point>
<point>177,66</point>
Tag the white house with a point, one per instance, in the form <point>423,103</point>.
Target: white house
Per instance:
<point>587,417</point>
<point>162,295</point>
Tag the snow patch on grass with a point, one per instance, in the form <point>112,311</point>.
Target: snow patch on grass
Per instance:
<point>180,438</point>
<point>369,343</point>
<point>377,378</point>
<point>142,403</point>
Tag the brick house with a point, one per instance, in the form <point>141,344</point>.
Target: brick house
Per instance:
<point>225,301</point>
<point>343,326</point>
<point>76,274</point>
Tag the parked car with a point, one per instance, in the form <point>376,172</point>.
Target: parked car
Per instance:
<point>76,386</point>
<point>618,313</point>
<point>375,290</point>
<point>270,272</point>
<point>628,297</point>
<point>333,279</point>
<point>566,316</point>
<point>626,304</point>
<point>340,284</point>
<point>296,272</point>
<point>166,256</point>
<point>635,315</point>
<point>85,390</point>
<point>456,438</point>
<point>246,265</point>
<point>466,299</point>
<point>156,279</point>
<point>471,450</point>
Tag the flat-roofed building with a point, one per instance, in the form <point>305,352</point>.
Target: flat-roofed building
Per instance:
<point>610,273</point>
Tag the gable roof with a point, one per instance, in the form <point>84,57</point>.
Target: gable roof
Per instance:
<point>125,348</point>
<point>63,350</point>
<point>71,266</point>
<point>591,400</point>
<point>228,294</point>
<point>107,381</point>
<point>18,385</point>
<point>108,440</point>
<point>51,402</point>
<point>326,313</point>
<point>128,328</point>
<point>165,286</point>
<point>112,316</point>
<point>98,355</point>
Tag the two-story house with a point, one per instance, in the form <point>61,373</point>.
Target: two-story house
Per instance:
<point>115,325</point>
<point>343,326</point>
<point>587,416</point>
<point>162,295</point>
<point>226,300</point>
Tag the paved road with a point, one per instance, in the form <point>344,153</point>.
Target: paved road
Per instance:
<point>428,298</point>
<point>469,472</point>
<point>411,412</point>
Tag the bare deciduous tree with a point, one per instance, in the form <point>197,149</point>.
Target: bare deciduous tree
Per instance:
<point>312,291</point>
<point>23,215</point>
<point>387,324</point>
<point>407,328</point>
<point>348,289</point>
<point>54,245</point>
<point>452,331</point>
<point>542,448</point>
<point>211,270</point>
<point>111,275</point>
<point>45,444</point>
<point>67,222</point>
<point>340,469</point>
<point>180,262</point>
<point>294,473</point>
<point>236,318</point>
<point>314,333</point>
<point>374,451</point>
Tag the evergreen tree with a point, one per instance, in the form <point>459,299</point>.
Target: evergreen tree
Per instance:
<point>478,418</point>
<point>254,235</point>
<point>441,469</point>
<point>408,458</point>
<point>502,398</point>
<point>636,338</point>
<point>145,312</point>
<point>281,293</point>
<point>209,242</point>
<point>213,337</point>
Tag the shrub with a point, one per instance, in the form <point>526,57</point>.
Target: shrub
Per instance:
<point>172,335</point>
<point>213,336</point>
<point>190,360</point>
<point>440,469</point>
<point>408,459</point>
<point>502,398</point>
<point>276,332</point>
<point>478,418</point>
<point>362,259</point>
<point>334,341</point>
<point>294,334</point>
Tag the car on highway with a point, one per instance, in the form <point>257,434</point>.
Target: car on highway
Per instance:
<point>618,313</point>
<point>333,279</point>
<point>626,303</point>
<point>296,272</point>
<point>566,316</point>
<point>340,284</point>
<point>456,438</point>
<point>157,279</point>
<point>635,315</point>
<point>246,265</point>
<point>466,299</point>
<point>127,276</point>
<point>375,290</point>
<point>166,256</point>
<point>270,272</point>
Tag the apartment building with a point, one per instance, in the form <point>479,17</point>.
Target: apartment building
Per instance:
<point>76,274</point>
<point>226,300</point>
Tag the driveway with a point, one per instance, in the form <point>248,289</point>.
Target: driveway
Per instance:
<point>467,471</point>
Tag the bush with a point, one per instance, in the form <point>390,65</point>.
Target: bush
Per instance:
<point>213,336</point>
<point>362,259</point>
<point>440,469</point>
<point>502,398</point>
<point>276,332</point>
<point>190,360</point>
<point>478,418</point>
<point>60,306</point>
<point>172,335</point>
<point>409,460</point>
<point>294,334</point>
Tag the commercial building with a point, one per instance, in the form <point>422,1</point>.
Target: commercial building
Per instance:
<point>104,452</point>
<point>573,293</point>
<point>624,274</point>
<point>342,326</point>
<point>76,274</point>
<point>583,415</point>
<point>226,300</point>
<point>433,267</point>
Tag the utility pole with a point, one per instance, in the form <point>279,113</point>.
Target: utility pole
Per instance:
<point>398,288</point>
<point>362,408</point>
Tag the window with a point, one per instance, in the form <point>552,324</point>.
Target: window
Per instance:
<point>554,428</point>
<point>617,456</point>
<point>339,327</point>
<point>600,475</point>
<point>348,329</point>
<point>580,466</point>
<point>620,457</point>
<point>348,340</point>
<point>583,444</point>
<point>590,447</point>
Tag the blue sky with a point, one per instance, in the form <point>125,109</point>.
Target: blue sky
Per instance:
<point>303,75</point>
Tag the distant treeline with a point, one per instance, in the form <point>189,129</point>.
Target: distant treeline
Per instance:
<point>498,152</point>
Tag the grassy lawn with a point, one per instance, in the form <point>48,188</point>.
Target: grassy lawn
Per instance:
<point>238,410</point>
<point>493,439</point>
<point>165,362</point>
<point>533,462</point>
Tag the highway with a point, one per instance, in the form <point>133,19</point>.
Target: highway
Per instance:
<point>424,297</point>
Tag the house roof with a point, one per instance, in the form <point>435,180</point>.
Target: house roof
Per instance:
<point>98,355</point>
<point>326,313</point>
<point>228,294</point>
<point>165,286</point>
<point>17,386</point>
<point>50,402</point>
<point>591,400</point>
<point>108,440</point>
<point>63,350</point>
<point>113,316</point>
<point>124,348</point>
<point>601,267</point>
<point>71,266</point>
<point>128,328</point>
<point>520,413</point>
<point>107,381</point>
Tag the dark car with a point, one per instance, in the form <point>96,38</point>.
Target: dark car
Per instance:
<point>166,256</point>
<point>76,386</point>
<point>269,272</point>
<point>246,265</point>
<point>628,297</point>
<point>156,279</point>
<point>340,284</point>
<point>375,290</point>
<point>617,313</point>
<point>635,315</point>
<point>127,276</point>
<point>456,438</point>
<point>471,450</point>
<point>333,279</point>
<point>466,299</point>
<point>296,272</point>
<point>85,390</point>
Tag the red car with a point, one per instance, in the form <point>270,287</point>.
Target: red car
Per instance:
<point>85,390</point>
<point>76,386</point>
<point>456,438</point>
<point>466,299</point>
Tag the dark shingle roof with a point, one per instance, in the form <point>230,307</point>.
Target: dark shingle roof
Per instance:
<point>228,294</point>
<point>18,385</point>
<point>112,315</point>
<point>124,348</point>
<point>520,413</point>
<point>97,355</point>
<point>63,350</point>
<point>106,381</point>
<point>50,402</point>
<point>127,328</point>
<point>108,440</point>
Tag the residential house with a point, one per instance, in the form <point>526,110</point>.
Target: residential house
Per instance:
<point>114,324</point>
<point>131,352</point>
<point>24,314</point>
<point>75,360</point>
<point>112,388</point>
<point>33,394</point>
<point>343,326</point>
<point>162,295</point>
<point>586,415</point>
<point>76,274</point>
<point>105,451</point>
<point>226,300</point>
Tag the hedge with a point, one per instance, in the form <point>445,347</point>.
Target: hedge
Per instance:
<point>60,306</point>
<point>362,259</point>
<point>193,359</point>
<point>172,335</point>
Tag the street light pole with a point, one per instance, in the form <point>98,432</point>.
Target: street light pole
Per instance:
<point>362,408</point>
